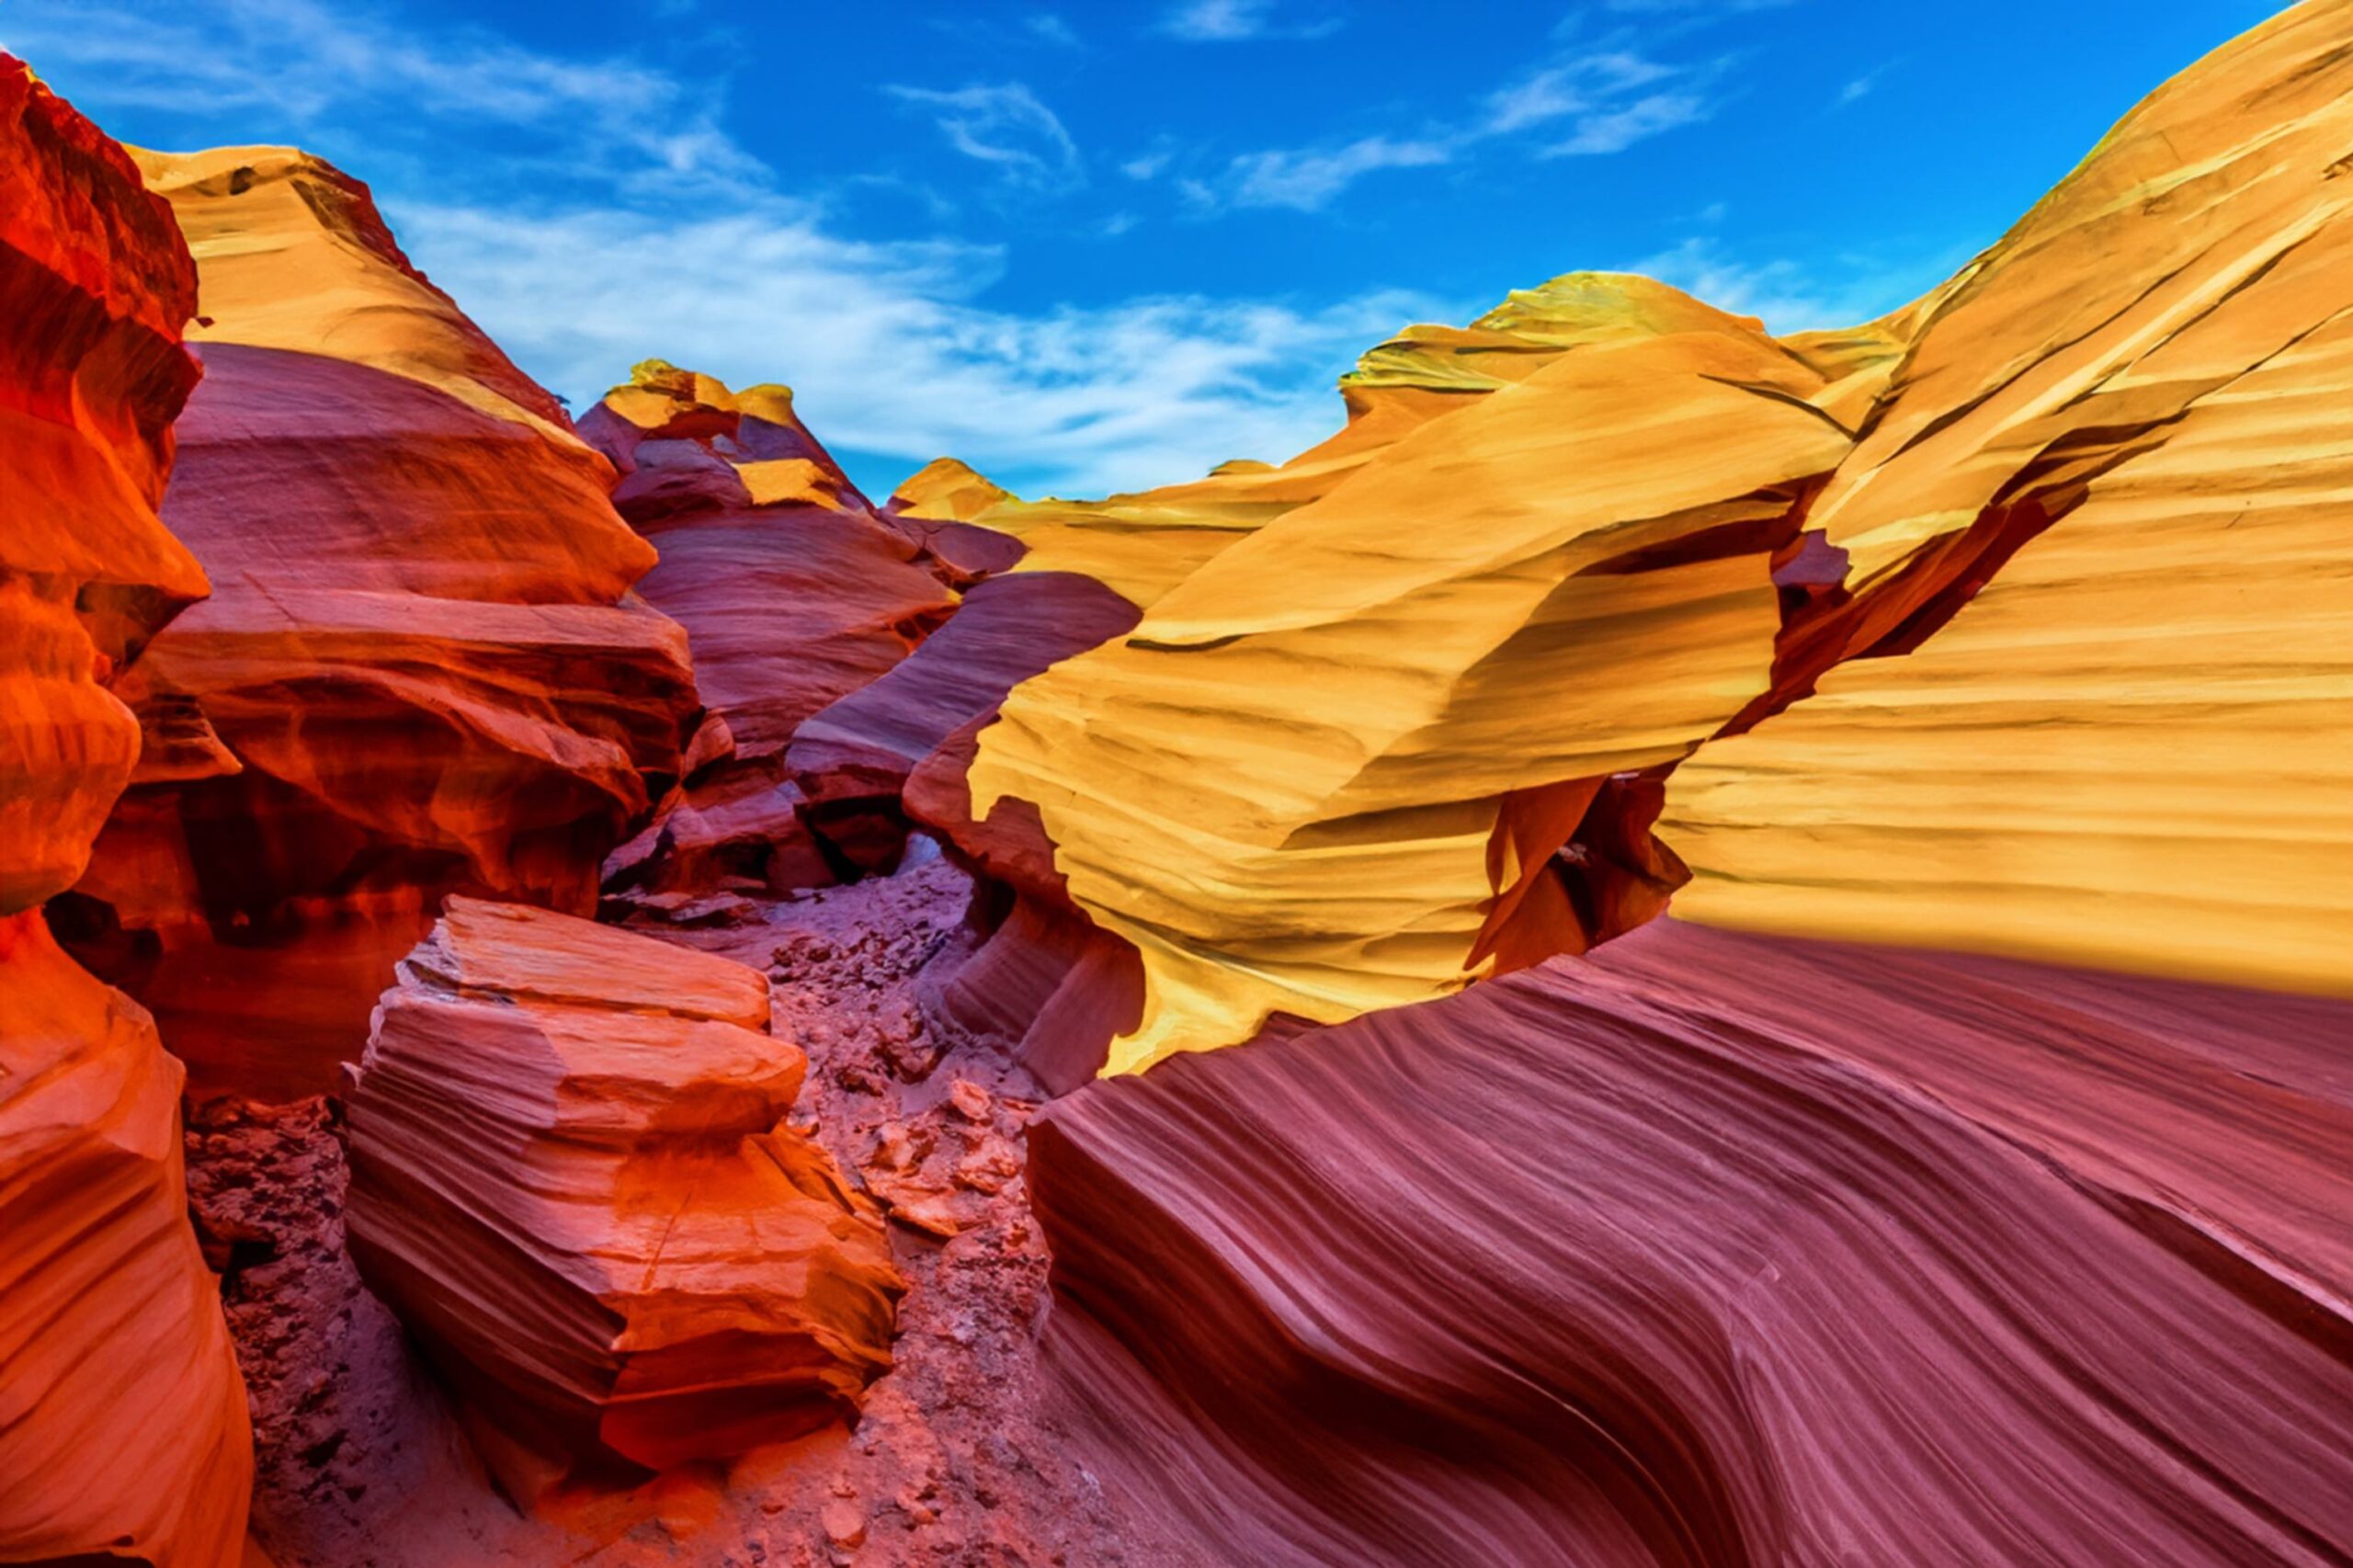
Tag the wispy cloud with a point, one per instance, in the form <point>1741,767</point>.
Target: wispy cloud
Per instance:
<point>1238,21</point>
<point>1604,99</point>
<point>1307,181</point>
<point>302,63</point>
<point>1860,88</point>
<point>1048,28</point>
<point>900,350</point>
<point>1148,164</point>
<point>891,350</point>
<point>1003,125</point>
<point>1848,290</point>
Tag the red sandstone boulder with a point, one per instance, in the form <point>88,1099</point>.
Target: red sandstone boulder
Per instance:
<point>123,1432</point>
<point>570,1178</point>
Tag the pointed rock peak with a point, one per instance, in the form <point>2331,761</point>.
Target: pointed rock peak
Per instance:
<point>947,490</point>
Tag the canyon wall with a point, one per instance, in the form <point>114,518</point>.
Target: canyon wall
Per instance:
<point>1682,946</point>
<point>422,668</point>
<point>123,1432</point>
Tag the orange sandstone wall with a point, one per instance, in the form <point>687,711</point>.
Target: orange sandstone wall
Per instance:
<point>123,1418</point>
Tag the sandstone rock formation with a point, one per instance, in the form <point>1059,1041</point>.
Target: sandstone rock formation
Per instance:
<point>571,1178</point>
<point>1392,820</point>
<point>2128,748</point>
<point>2005,632</point>
<point>122,1420</point>
<point>793,591</point>
<point>1388,806</point>
<point>1712,1248</point>
<point>421,669</point>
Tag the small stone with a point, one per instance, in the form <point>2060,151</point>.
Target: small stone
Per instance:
<point>844,1522</point>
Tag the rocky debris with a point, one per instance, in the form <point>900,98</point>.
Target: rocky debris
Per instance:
<point>952,1461</point>
<point>571,1180</point>
<point>122,1423</point>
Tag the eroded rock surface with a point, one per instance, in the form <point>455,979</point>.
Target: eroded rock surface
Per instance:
<point>1715,1248</point>
<point>122,1423</point>
<point>421,669</point>
<point>572,1179</point>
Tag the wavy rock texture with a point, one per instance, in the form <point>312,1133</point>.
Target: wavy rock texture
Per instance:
<point>1440,747</point>
<point>1384,804</point>
<point>794,592</point>
<point>422,668</point>
<point>122,1419</point>
<point>2129,749</point>
<point>1712,1248</point>
<point>571,1180</point>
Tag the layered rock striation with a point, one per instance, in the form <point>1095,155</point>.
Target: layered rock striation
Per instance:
<point>123,1433</point>
<point>1717,1249</point>
<point>572,1179</point>
<point>422,668</point>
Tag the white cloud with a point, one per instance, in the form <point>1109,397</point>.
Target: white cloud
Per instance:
<point>1236,21</point>
<point>1605,97</point>
<point>1147,165</point>
<point>1614,131</point>
<point>1860,87</point>
<point>1048,28</point>
<point>890,349</point>
<point>306,61</point>
<point>1850,290</point>
<point>1003,125</point>
<point>1308,180</point>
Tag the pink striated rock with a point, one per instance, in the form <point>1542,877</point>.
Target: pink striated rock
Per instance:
<point>1716,1248</point>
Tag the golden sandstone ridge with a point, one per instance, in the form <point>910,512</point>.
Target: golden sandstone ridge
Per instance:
<point>1417,679</point>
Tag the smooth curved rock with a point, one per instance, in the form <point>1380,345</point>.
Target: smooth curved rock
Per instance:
<point>422,668</point>
<point>1719,1249</point>
<point>2120,430</point>
<point>123,1433</point>
<point>571,1179</point>
<point>793,592</point>
<point>1407,716</point>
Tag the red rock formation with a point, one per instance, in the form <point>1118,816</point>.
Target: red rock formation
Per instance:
<point>123,1422</point>
<point>1714,1249</point>
<point>421,670</point>
<point>570,1178</point>
<point>793,592</point>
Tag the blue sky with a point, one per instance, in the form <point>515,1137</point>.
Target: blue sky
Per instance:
<point>1100,247</point>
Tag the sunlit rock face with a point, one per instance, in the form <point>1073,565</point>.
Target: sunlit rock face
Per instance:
<point>794,592</point>
<point>572,1179</point>
<point>123,1432</point>
<point>1367,667</point>
<point>422,668</point>
<point>1619,555</point>
<point>2124,421</point>
<point>2018,1235</point>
